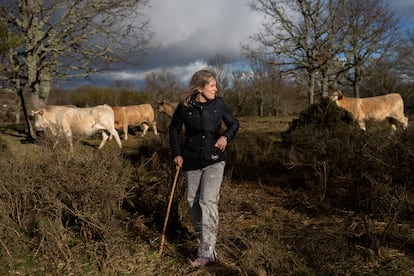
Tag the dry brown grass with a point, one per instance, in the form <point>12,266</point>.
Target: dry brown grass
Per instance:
<point>95,212</point>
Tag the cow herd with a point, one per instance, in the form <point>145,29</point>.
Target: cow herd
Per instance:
<point>68,121</point>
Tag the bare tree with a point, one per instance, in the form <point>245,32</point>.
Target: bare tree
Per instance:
<point>380,78</point>
<point>404,65</point>
<point>218,63</point>
<point>60,39</point>
<point>241,88</point>
<point>163,84</point>
<point>265,85</point>
<point>322,41</point>
<point>8,40</point>
<point>293,34</point>
<point>370,30</point>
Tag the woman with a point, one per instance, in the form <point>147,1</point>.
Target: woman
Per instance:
<point>202,156</point>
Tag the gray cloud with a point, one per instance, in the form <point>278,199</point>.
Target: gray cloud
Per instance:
<point>191,32</point>
<point>404,7</point>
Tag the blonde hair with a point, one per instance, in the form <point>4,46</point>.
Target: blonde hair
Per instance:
<point>198,80</point>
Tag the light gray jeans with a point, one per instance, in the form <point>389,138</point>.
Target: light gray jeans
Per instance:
<point>203,193</point>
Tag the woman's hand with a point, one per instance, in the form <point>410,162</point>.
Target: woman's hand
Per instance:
<point>178,161</point>
<point>221,143</point>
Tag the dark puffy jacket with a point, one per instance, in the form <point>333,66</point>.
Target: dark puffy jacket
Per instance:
<point>202,122</point>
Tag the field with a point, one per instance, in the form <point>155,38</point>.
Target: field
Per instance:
<point>91,212</point>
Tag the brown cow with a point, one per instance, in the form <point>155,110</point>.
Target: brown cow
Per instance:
<point>390,107</point>
<point>167,107</point>
<point>69,121</point>
<point>134,115</point>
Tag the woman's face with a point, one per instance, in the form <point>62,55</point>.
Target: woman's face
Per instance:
<point>208,91</point>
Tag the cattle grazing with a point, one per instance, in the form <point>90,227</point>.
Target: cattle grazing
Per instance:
<point>69,121</point>
<point>134,115</point>
<point>167,107</point>
<point>376,109</point>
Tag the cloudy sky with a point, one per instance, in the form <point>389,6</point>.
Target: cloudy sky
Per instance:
<point>192,32</point>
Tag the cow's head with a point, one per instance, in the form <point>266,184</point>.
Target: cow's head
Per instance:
<point>37,112</point>
<point>167,107</point>
<point>38,118</point>
<point>160,106</point>
<point>336,96</point>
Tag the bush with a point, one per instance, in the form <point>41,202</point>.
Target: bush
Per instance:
<point>352,169</point>
<point>51,199</point>
<point>251,157</point>
<point>319,202</point>
<point>325,114</point>
<point>368,173</point>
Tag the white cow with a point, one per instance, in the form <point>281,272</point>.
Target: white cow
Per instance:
<point>377,109</point>
<point>69,121</point>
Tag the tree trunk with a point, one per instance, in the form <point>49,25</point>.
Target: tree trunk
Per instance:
<point>260,107</point>
<point>31,135</point>
<point>311,88</point>
<point>30,101</point>
<point>325,85</point>
<point>356,82</point>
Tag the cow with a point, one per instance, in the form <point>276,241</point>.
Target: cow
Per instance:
<point>69,121</point>
<point>377,109</point>
<point>142,114</point>
<point>167,107</point>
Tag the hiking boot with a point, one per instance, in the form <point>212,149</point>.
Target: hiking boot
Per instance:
<point>201,261</point>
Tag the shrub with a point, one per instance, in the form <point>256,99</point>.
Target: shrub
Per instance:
<point>50,199</point>
<point>346,168</point>
<point>325,114</point>
<point>251,157</point>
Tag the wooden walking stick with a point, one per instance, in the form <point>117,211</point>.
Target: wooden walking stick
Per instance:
<point>168,210</point>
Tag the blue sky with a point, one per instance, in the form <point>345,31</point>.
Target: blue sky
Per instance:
<point>192,32</point>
